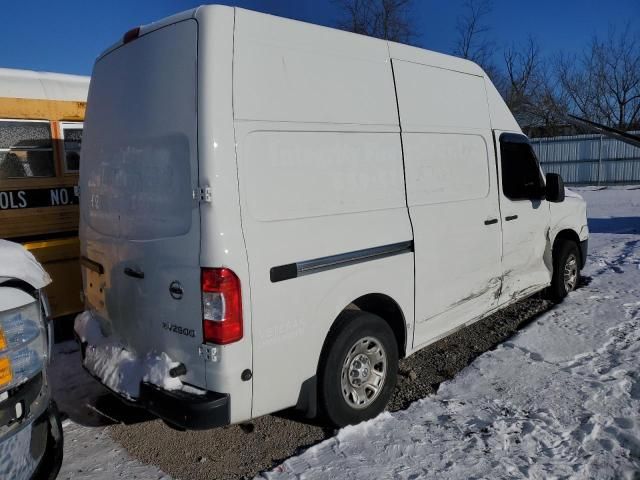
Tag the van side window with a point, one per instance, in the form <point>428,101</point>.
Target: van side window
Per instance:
<point>26,149</point>
<point>521,177</point>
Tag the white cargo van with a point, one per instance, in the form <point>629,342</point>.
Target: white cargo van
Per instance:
<point>273,213</point>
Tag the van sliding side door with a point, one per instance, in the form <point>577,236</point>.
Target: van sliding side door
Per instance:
<point>452,196</point>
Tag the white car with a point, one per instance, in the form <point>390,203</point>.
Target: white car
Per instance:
<point>30,430</point>
<point>273,213</point>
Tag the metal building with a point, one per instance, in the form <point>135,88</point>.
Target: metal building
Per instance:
<point>589,159</point>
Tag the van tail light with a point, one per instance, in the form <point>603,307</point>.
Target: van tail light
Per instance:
<point>221,306</point>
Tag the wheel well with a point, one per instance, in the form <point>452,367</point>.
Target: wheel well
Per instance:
<point>376,303</point>
<point>566,235</point>
<point>387,309</point>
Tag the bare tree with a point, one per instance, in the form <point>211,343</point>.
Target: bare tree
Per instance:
<point>386,19</point>
<point>530,88</point>
<point>603,83</point>
<point>472,41</point>
<point>522,68</point>
<point>578,85</point>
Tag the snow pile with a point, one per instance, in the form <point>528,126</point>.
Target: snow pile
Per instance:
<point>17,262</point>
<point>560,399</point>
<point>118,368</point>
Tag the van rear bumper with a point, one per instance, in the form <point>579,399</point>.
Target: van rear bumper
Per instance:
<point>178,408</point>
<point>186,410</point>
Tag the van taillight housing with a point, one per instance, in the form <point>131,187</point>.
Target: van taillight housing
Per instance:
<point>221,306</point>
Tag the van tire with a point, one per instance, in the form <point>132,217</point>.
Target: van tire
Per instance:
<point>360,346</point>
<point>566,257</point>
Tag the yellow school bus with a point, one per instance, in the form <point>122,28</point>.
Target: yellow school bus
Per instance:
<point>41,117</point>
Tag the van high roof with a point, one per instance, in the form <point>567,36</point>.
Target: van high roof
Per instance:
<point>397,50</point>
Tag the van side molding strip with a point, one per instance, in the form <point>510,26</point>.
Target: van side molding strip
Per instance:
<point>316,265</point>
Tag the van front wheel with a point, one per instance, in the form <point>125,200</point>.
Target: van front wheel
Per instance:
<point>566,271</point>
<point>358,370</point>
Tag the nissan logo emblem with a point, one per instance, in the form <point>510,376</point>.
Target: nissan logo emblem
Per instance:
<point>175,289</point>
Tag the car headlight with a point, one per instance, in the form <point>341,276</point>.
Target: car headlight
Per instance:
<point>22,345</point>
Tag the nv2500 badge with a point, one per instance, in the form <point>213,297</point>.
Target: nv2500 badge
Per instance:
<point>172,327</point>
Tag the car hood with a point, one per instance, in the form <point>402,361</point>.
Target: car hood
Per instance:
<point>18,263</point>
<point>572,194</point>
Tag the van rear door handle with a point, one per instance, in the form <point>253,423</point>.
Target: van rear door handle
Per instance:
<point>491,221</point>
<point>511,217</point>
<point>133,273</point>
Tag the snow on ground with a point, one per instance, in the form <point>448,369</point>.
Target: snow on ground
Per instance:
<point>560,399</point>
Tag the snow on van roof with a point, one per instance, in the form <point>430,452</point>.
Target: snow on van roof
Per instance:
<point>30,84</point>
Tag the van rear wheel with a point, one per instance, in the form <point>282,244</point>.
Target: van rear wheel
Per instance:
<point>566,271</point>
<point>358,370</point>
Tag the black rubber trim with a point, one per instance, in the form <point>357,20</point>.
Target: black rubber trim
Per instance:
<point>584,247</point>
<point>91,265</point>
<point>308,397</point>
<point>283,272</point>
<point>20,285</point>
<point>25,394</point>
<point>321,264</point>
<point>184,410</point>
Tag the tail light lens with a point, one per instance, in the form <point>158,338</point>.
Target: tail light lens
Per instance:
<point>221,306</point>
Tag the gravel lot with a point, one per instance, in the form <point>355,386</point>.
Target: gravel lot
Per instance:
<point>245,451</point>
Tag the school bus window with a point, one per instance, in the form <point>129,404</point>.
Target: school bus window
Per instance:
<point>72,135</point>
<point>26,149</point>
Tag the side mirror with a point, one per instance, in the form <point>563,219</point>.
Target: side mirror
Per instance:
<point>554,190</point>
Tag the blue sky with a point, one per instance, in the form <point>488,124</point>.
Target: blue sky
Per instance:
<point>67,36</point>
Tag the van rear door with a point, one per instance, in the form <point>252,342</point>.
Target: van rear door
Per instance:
<point>140,220</point>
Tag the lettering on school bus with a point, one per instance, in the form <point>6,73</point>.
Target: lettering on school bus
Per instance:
<point>37,198</point>
<point>13,200</point>
<point>59,196</point>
